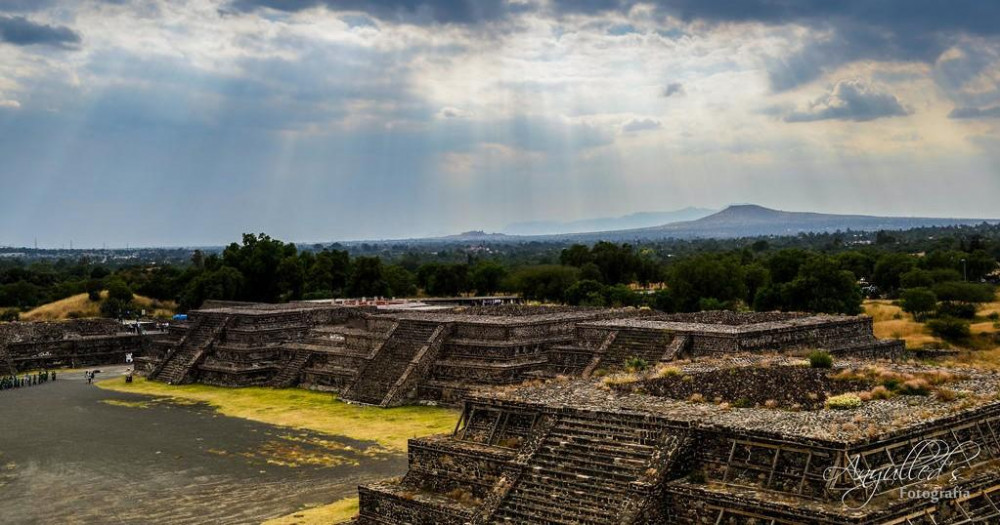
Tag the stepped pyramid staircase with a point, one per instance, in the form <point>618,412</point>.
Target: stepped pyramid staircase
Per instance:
<point>289,374</point>
<point>589,470</point>
<point>401,360</point>
<point>676,347</point>
<point>652,346</point>
<point>190,350</point>
<point>6,363</point>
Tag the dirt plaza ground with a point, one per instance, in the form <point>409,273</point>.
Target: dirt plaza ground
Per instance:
<point>74,453</point>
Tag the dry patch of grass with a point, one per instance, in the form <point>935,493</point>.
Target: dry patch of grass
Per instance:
<point>337,512</point>
<point>80,306</point>
<point>985,359</point>
<point>891,322</point>
<point>128,404</point>
<point>307,410</point>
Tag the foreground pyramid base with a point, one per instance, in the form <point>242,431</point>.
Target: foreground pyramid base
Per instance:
<point>741,441</point>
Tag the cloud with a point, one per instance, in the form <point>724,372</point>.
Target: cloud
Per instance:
<point>17,6</point>
<point>641,124</point>
<point>9,104</point>
<point>20,31</point>
<point>851,100</point>
<point>420,11</point>
<point>969,112</point>
<point>674,88</point>
<point>450,112</point>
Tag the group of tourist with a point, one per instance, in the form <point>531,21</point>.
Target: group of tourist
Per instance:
<point>14,381</point>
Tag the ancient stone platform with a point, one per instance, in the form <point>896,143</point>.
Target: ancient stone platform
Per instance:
<point>61,344</point>
<point>389,357</point>
<point>656,449</point>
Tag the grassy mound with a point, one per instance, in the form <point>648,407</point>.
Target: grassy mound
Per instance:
<point>80,306</point>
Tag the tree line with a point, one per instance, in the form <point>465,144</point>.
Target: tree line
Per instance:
<point>759,274</point>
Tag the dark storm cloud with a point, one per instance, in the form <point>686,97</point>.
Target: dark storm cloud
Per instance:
<point>20,31</point>
<point>911,30</point>
<point>421,11</point>
<point>965,113</point>
<point>18,6</point>
<point>851,100</point>
<point>674,88</point>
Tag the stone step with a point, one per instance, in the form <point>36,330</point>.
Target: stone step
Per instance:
<point>568,496</point>
<point>589,446</point>
<point>557,456</point>
<point>576,507</point>
<point>601,435</point>
<point>610,474</point>
<point>550,478</point>
<point>540,505</point>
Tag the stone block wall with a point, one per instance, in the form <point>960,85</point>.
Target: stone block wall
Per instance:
<point>80,342</point>
<point>788,385</point>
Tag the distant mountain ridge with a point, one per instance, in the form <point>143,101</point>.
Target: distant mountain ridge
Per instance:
<point>739,220</point>
<point>751,220</point>
<point>625,222</point>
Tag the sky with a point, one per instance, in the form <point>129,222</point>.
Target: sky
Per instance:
<point>189,122</point>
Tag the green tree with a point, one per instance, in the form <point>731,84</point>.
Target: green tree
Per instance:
<point>486,277</point>
<point>368,279</point>
<point>119,301</point>
<point>964,292</point>
<point>916,278</point>
<point>224,284</point>
<point>576,255</point>
<point>291,278</point>
<point>919,302</point>
<point>585,292</point>
<point>756,277</point>
<point>979,264</point>
<point>784,264</point>
<point>890,268</point>
<point>258,259</point>
<point>706,276</point>
<point>862,265</point>
<point>820,286</point>
<point>544,282</point>
<point>401,282</point>
<point>93,288</point>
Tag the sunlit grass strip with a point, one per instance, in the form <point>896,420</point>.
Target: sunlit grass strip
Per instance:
<point>891,322</point>
<point>338,512</point>
<point>304,409</point>
<point>81,306</point>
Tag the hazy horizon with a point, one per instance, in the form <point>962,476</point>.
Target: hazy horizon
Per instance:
<point>190,122</point>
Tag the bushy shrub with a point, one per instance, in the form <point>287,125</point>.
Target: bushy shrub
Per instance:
<point>7,316</point>
<point>636,364</point>
<point>965,292</point>
<point>742,403</point>
<point>843,402</point>
<point>915,387</point>
<point>950,328</point>
<point>957,310</point>
<point>820,359</point>
<point>667,371</point>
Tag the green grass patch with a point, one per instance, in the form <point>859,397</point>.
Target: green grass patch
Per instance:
<point>338,512</point>
<point>305,409</point>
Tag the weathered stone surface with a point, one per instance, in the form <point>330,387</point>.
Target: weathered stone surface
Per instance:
<point>578,451</point>
<point>81,342</point>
